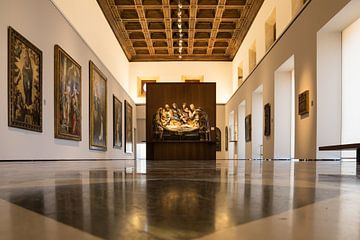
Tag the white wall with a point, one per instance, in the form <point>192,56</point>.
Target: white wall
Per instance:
<point>257,122</point>
<point>219,72</point>
<point>241,130</point>
<point>42,24</point>
<point>351,83</point>
<point>283,110</point>
<point>328,125</point>
<point>293,42</point>
<point>89,21</point>
<point>256,34</point>
<point>231,135</point>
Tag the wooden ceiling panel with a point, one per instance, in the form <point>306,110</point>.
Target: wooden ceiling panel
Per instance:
<point>147,30</point>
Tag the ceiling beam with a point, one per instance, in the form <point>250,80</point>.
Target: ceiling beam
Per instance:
<point>220,8</point>
<point>192,25</point>
<point>168,22</point>
<point>144,25</point>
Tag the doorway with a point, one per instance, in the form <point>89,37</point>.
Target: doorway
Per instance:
<point>284,110</point>
<point>257,123</point>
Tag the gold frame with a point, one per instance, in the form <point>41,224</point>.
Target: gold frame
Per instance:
<point>128,124</point>
<point>92,145</point>
<point>12,122</point>
<point>116,100</point>
<point>144,79</point>
<point>185,78</point>
<point>57,51</point>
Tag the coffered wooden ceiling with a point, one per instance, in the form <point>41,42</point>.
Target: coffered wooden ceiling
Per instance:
<point>147,29</point>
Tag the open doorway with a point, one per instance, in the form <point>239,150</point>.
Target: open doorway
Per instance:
<point>241,130</point>
<point>338,56</point>
<point>257,123</point>
<point>284,110</point>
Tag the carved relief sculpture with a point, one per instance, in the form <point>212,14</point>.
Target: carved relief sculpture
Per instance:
<point>185,123</point>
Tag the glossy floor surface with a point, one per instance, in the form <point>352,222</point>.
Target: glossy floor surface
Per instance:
<point>180,200</point>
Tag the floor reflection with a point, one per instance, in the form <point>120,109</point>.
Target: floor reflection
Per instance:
<point>174,199</point>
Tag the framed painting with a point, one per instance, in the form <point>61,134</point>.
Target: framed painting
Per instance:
<point>226,138</point>
<point>24,83</point>
<point>67,96</point>
<point>117,123</point>
<point>304,103</point>
<point>98,106</point>
<point>128,128</point>
<point>267,120</point>
<point>218,139</point>
<point>248,128</point>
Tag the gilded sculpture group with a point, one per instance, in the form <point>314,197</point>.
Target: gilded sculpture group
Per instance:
<point>185,121</point>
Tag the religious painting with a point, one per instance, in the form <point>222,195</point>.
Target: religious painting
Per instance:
<point>304,103</point>
<point>117,123</point>
<point>98,107</point>
<point>218,139</point>
<point>248,128</point>
<point>24,83</point>
<point>267,120</point>
<point>188,122</point>
<point>128,128</point>
<point>67,96</point>
<point>226,138</point>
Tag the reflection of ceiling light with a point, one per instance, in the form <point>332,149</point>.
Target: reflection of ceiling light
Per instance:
<point>144,87</point>
<point>180,57</point>
<point>179,20</point>
<point>180,30</point>
<point>179,25</point>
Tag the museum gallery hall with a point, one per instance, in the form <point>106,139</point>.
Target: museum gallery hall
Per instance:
<point>180,119</point>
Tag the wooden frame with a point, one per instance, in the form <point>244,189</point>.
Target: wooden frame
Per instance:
<point>24,83</point>
<point>117,123</point>
<point>248,128</point>
<point>67,96</point>
<point>304,103</point>
<point>97,120</point>
<point>267,120</point>
<point>129,140</point>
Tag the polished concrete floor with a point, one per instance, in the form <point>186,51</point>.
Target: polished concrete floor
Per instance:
<point>180,200</point>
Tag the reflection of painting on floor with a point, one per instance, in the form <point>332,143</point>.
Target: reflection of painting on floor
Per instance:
<point>185,123</point>
<point>25,83</point>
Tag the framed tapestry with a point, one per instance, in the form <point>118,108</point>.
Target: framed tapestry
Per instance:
<point>267,120</point>
<point>248,128</point>
<point>117,123</point>
<point>98,106</point>
<point>67,96</point>
<point>128,128</point>
<point>304,103</point>
<point>24,83</point>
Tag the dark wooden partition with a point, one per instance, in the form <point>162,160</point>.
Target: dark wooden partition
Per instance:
<point>201,95</point>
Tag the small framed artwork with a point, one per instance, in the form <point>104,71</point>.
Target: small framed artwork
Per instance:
<point>248,128</point>
<point>67,96</point>
<point>218,139</point>
<point>98,106</point>
<point>226,138</point>
<point>267,120</point>
<point>117,123</point>
<point>24,83</point>
<point>304,103</point>
<point>128,128</point>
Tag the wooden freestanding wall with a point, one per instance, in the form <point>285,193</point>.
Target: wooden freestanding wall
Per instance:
<point>201,95</point>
